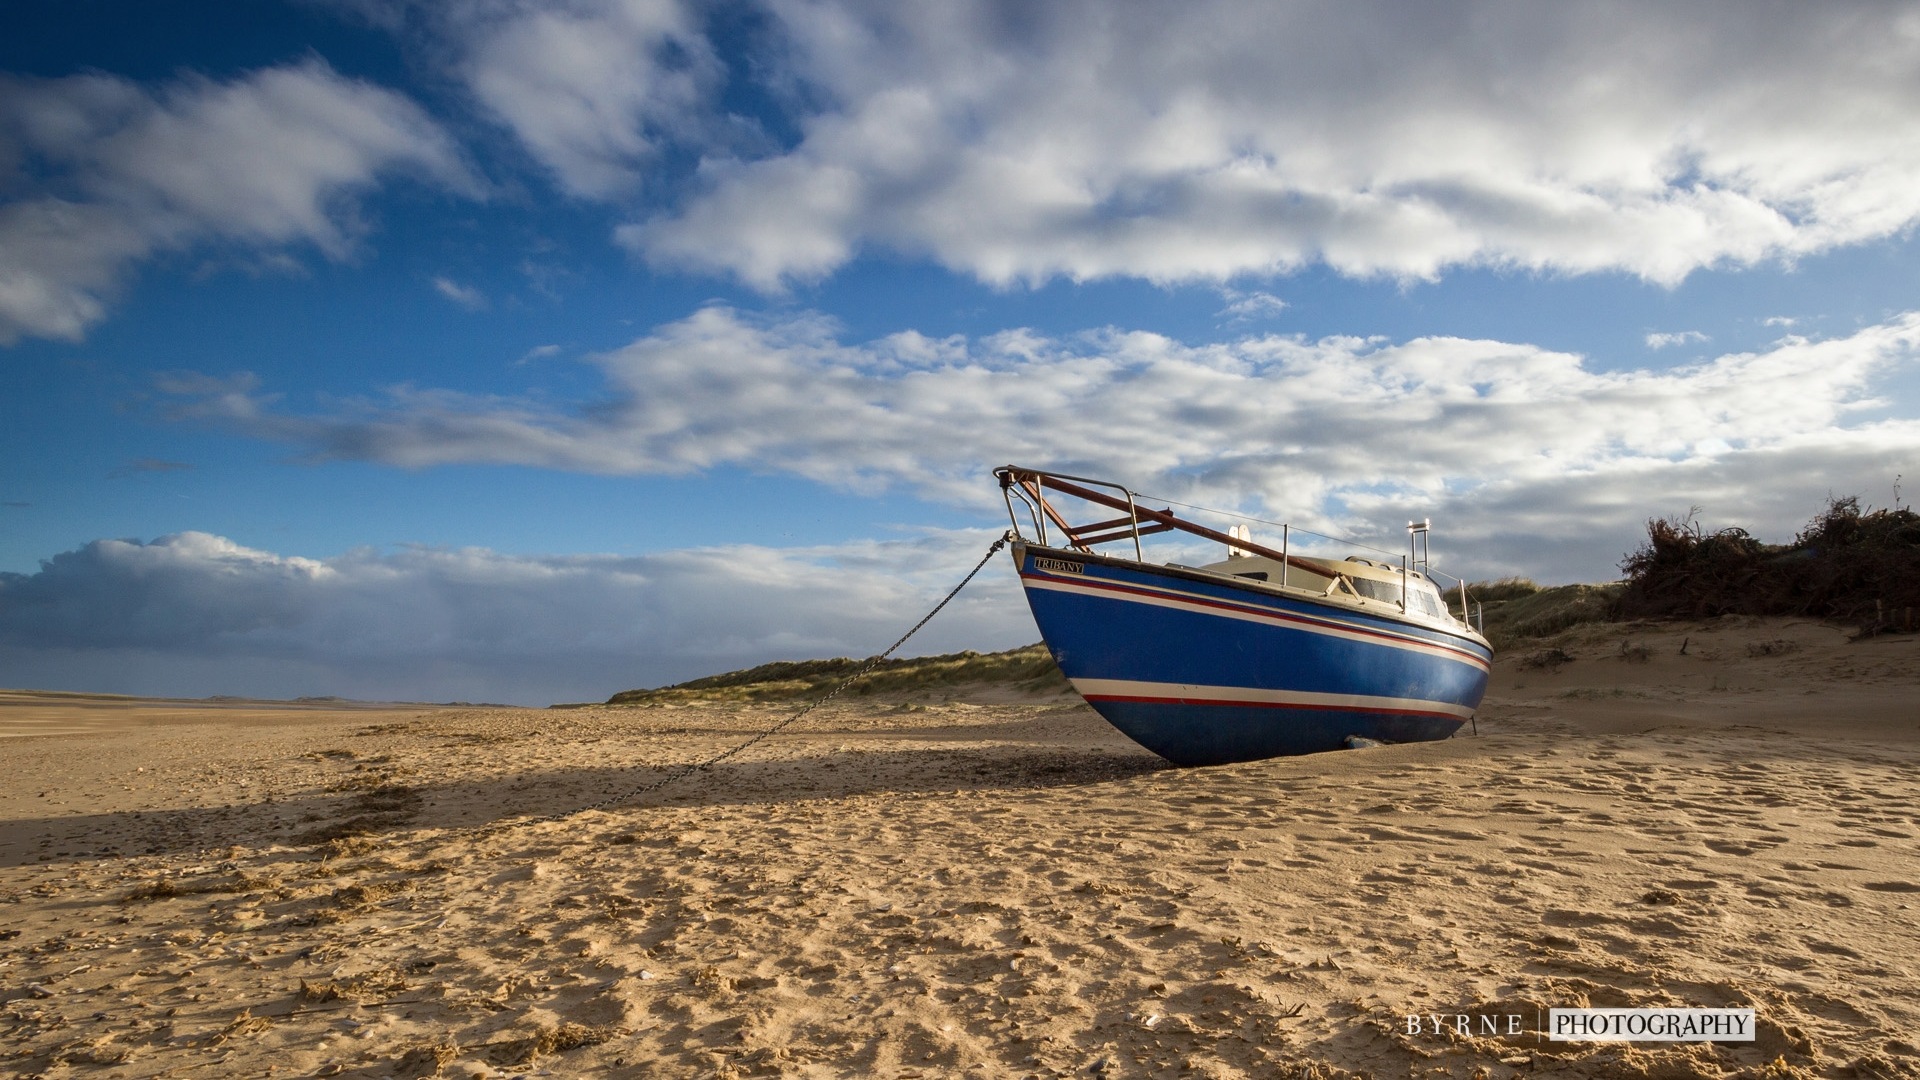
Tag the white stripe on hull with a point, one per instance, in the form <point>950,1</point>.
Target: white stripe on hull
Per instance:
<point>1131,689</point>
<point>1159,596</point>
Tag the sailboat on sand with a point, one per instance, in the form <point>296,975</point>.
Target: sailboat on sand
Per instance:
<point>1262,654</point>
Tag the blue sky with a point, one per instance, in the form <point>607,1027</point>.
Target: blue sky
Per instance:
<point>531,352</point>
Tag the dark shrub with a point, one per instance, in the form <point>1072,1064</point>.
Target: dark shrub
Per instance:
<point>1847,564</point>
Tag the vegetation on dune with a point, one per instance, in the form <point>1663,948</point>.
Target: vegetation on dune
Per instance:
<point>1503,590</point>
<point>1849,565</point>
<point>1029,669</point>
<point>1515,609</point>
<point>1853,565</point>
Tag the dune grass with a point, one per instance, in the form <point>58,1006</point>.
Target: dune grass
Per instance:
<point>1029,670</point>
<point>1517,610</point>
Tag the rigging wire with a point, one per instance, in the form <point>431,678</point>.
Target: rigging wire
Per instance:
<point>1264,521</point>
<point>681,772</point>
<point>1430,569</point>
<point>684,771</point>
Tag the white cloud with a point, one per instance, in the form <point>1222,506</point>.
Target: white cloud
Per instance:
<point>1244,307</point>
<point>591,89</point>
<point>193,614</point>
<point>105,173</point>
<point>465,296</point>
<point>1660,340</point>
<point>1199,142</point>
<point>1331,432</point>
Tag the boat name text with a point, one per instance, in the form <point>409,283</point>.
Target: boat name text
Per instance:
<point>1059,566</point>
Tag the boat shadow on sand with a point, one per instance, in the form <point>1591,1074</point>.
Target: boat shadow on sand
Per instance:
<point>379,805</point>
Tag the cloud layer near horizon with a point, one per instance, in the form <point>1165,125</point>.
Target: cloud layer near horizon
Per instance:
<point>1338,433</point>
<point>194,614</point>
<point>1529,461</point>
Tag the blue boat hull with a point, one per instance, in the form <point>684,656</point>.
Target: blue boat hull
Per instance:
<point>1204,671</point>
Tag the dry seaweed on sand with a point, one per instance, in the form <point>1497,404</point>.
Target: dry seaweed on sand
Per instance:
<point>551,1040</point>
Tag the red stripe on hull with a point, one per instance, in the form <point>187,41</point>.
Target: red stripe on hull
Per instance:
<point>1270,613</point>
<point>1225,702</point>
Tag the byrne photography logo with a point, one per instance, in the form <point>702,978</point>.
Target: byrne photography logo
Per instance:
<point>1464,1024</point>
<point>1650,1025</point>
<point>1596,1025</point>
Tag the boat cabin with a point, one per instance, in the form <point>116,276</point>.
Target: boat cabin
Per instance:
<point>1367,581</point>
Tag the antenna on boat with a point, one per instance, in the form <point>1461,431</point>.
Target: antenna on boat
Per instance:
<point>1419,554</point>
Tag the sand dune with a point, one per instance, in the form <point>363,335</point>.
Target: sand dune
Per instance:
<point>969,889</point>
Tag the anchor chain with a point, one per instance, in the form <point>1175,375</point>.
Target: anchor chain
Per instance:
<point>685,771</point>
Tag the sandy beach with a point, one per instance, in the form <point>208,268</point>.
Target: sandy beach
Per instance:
<point>1719,813</point>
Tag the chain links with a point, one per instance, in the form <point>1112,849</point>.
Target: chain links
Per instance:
<point>685,771</point>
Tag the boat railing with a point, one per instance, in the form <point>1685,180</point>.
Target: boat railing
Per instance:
<point>1025,489</point>
<point>1030,486</point>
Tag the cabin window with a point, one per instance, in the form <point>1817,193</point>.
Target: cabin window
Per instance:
<point>1377,590</point>
<point>1257,575</point>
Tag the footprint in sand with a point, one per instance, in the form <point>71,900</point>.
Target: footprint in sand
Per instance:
<point>1736,847</point>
